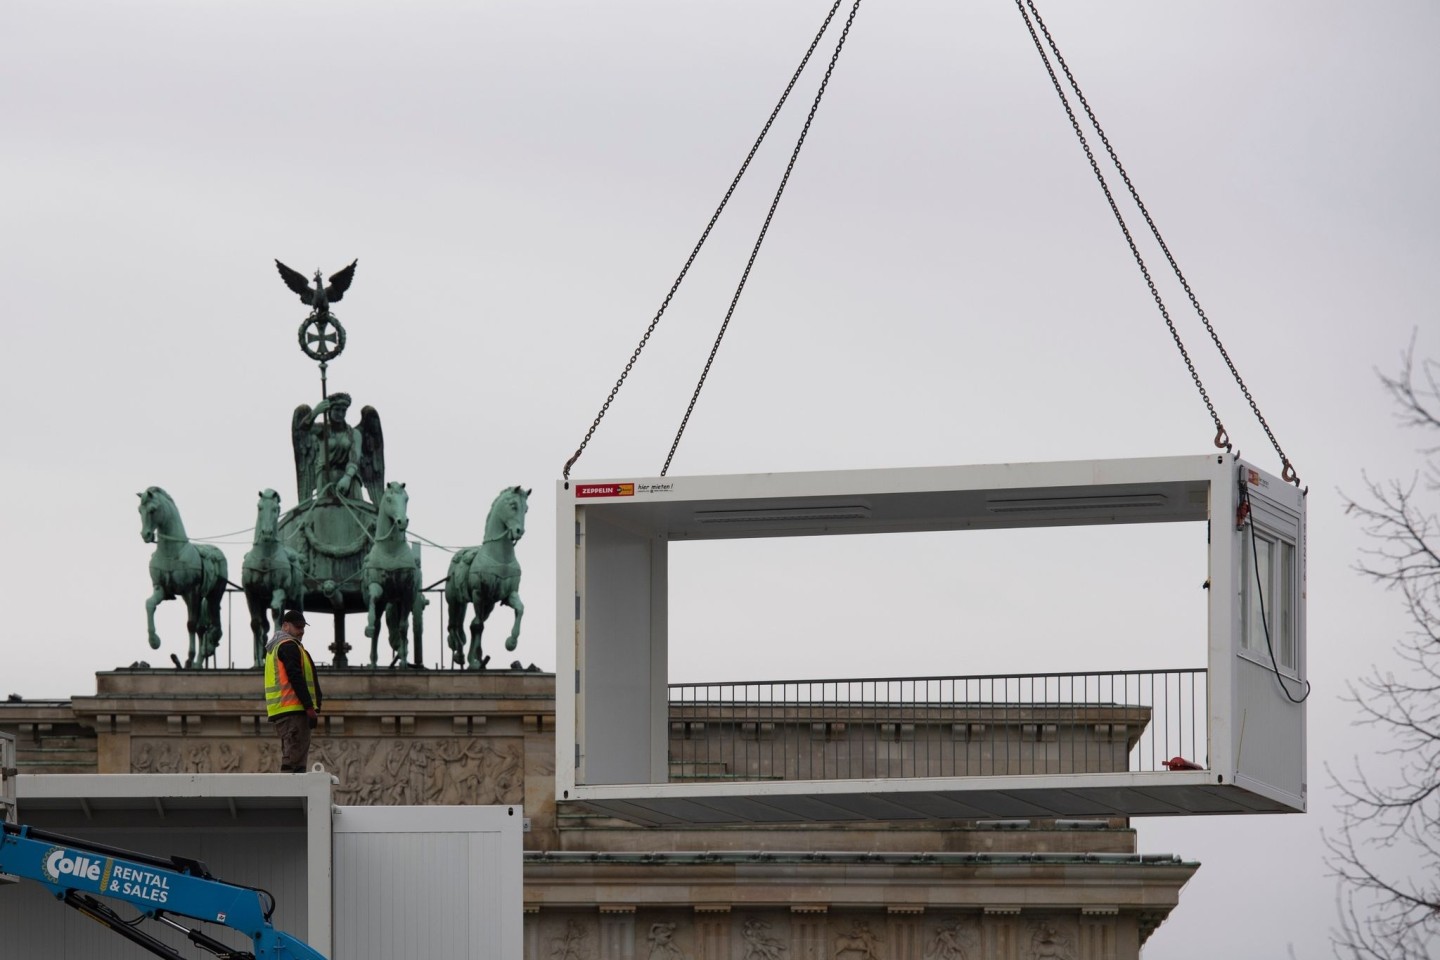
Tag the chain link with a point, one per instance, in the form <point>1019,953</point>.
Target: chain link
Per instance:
<point>1288,470</point>
<point>1221,438</point>
<point>703,237</point>
<point>754,252</point>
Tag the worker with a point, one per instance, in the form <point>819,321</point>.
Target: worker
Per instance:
<point>292,691</point>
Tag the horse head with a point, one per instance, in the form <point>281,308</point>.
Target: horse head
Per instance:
<point>267,517</point>
<point>506,520</point>
<point>392,511</point>
<point>157,509</point>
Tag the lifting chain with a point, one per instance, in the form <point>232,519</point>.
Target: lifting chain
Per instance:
<point>1221,437</point>
<point>703,237</point>
<point>754,252</point>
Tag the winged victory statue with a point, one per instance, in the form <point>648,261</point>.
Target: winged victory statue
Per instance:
<point>332,457</point>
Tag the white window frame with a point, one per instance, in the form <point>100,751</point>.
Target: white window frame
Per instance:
<point>1276,596</point>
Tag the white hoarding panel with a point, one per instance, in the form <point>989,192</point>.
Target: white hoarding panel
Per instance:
<point>7,785</point>
<point>444,883</point>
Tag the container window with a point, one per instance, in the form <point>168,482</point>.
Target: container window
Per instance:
<point>1269,571</point>
<point>1285,607</point>
<point>1259,558</point>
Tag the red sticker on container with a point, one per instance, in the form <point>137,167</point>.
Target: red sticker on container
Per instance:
<point>604,490</point>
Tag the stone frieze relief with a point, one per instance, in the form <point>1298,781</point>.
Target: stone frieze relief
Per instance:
<point>372,771</point>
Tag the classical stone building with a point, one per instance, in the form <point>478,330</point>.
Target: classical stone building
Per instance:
<point>599,888</point>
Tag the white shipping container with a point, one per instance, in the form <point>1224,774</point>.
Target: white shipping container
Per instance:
<point>444,883</point>
<point>613,720</point>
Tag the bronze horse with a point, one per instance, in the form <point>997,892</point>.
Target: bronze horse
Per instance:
<point>487,575</point>
<point>391,576</point>
<point>272,574</point>
<point>196,573</point>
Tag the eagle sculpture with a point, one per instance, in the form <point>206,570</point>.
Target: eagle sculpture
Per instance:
<point>319,296</point>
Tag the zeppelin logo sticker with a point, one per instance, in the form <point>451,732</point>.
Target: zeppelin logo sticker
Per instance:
<point>583,490</point>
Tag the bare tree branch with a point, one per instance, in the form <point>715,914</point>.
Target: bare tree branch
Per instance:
<point>1390,912</point>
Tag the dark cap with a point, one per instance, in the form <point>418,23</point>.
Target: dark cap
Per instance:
<point>293,616</point>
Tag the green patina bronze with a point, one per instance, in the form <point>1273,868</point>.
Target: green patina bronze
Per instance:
<point>342,548</point>
<point>321,335</point>
<point>487,575</point>
<point>340,481</point>
<point>194,572</point>
<point>339,474</point>
<point>272,575</point>
<point>333,457</point>
<point>331,527</point>
<point>391,577</point>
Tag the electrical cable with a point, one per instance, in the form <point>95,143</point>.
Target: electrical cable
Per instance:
<point>212,540</point>
<point>1260,593</point>
<point>437,546</point>
<point>218,538</point>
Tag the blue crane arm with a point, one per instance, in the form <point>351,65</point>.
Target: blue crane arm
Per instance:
<point>76,871</point>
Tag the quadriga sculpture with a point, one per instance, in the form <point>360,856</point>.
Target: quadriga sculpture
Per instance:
<point>391,576</point>
<point>196,573</point>
<point>487,575</point>
<point>272,574</point>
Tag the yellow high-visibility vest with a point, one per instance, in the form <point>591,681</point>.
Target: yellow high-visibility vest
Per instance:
<point>280,695</point>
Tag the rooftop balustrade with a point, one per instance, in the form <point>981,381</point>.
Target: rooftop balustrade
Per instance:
<point>964,726</point>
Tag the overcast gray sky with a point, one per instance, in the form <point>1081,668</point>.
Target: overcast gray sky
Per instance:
<point>943,284</point>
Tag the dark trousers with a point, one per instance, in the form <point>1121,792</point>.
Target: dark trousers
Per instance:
<point>294,731</point>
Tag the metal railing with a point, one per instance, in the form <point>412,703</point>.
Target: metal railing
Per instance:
<point>992,725</point>
<point>435,640</point>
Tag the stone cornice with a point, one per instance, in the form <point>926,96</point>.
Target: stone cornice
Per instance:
<point>1108,886</point>
<point>439,693</point>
